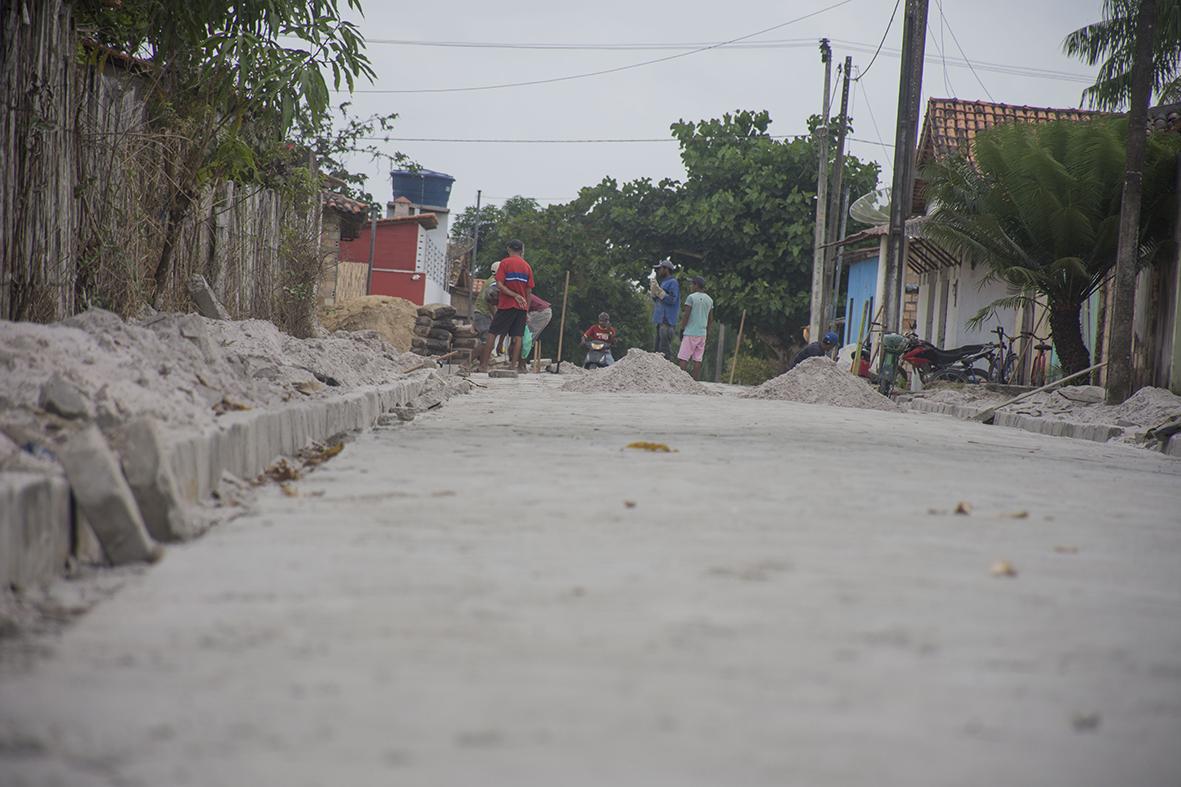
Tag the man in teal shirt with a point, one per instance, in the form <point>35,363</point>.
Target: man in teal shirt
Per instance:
<point>697,317</point>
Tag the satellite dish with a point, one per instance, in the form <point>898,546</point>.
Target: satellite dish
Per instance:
<point>872,208</point>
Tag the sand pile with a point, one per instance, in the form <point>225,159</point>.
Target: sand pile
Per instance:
<point>820,381</point>
<point>180,368</point>
<point>392,318</point>
<point>638,372</point>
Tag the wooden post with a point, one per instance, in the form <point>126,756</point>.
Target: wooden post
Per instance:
<point>562,325</point>
<point>819,253</point>
<point>738,346</point>
<point>720,352</point>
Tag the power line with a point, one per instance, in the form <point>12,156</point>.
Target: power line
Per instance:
<point>776,43</point>
<point>588,141</point>
<point>874,120</point>
<point>615,70</point>
<point>788,43</point>
<point>885,33</point>
<point>951,30</point>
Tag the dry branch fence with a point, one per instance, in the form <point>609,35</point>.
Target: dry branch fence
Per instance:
<point>83,181</point>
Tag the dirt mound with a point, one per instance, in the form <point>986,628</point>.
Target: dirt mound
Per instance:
<point>820,381</point>
<point>180,368</point>
<point>391,317</point>
<point>638,372</point>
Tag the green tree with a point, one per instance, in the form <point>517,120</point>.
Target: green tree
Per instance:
<point>1110,44</point>
<point>742,218</point>
<point>1042,208</point>
<point>227,82</point>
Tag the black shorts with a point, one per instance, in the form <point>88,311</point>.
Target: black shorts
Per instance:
<point>509,322</point>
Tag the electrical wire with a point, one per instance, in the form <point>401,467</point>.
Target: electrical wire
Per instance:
<point>874,120</point>
<point>606,71</point>
<point>588,141</point>
<point>963,54</point>
<point>885,33</point>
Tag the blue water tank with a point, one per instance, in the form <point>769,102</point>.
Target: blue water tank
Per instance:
<point>423,186</point>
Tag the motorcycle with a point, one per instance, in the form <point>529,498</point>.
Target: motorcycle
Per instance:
<point>598,354</point>
<point>954,365</point>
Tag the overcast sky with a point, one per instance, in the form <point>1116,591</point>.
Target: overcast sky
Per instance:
<point>783,75</point>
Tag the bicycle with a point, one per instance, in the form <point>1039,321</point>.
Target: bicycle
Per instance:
<point>1001,364</point>
<point>1037,374</point>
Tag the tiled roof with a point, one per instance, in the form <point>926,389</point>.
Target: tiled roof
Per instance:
<point>428,220</point>
<point>342,203</point>
<point>950,125</point>
<point>1166,117</point>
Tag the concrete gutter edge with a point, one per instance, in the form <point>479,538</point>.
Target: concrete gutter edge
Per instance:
<point>40,530</point>
<point>1099,433</point>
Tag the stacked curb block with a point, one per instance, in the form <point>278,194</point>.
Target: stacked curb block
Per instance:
<point>1098,433</point>
<point>40,530</point>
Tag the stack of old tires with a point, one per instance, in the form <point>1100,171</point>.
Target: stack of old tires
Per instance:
<point>438,331</point>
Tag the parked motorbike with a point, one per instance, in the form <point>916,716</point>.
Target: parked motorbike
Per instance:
<point>954,365</point>
<point>598,354</point>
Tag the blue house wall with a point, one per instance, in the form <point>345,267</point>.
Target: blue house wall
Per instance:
<point>863,282</point>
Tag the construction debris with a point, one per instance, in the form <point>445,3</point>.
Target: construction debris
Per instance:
<point>820,381</point>
<point>439,331</point>
<point>638,372</point>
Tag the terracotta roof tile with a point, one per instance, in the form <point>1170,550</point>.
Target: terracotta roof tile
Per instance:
<point>342,203</point>
<point>951,125</point>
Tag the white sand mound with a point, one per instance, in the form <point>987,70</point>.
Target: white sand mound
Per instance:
<point>179,368</point>
<point>391,317</point>
<point>638,372</point>
<point>820,381</point>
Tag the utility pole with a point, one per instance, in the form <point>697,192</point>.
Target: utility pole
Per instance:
<point>374,211</point>
<point>471,261</point>
<point>910,89</point>
<point>836,218</point>
<point>819,282</point>
<point>836,275</point>
<point>1119,355</point>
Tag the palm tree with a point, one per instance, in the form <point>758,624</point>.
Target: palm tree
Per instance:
<point>1041,208</point>
<point>1111,43</point>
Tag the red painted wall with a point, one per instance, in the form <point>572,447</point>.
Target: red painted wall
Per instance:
<point>401,284</point>
<point>394,254</point>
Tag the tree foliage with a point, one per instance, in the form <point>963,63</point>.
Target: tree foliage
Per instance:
<point>1041,209</point>
<point>1111,43</point>
<point>743,218</point>
<point>227,84</point>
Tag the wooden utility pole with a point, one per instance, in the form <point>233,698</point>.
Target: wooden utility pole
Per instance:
<point>1119,357</point>
<point>819,282</point>
<point>374,211</point>
<point>836,214</point>
<point>471,261</point>
<point>910,89</point>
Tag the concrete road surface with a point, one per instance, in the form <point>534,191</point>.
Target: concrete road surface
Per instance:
<point>501,594</point>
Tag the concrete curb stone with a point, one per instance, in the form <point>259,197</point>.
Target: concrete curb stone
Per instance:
<point>37,524</point>
<point>97,483</point>
<point>1099,433</point>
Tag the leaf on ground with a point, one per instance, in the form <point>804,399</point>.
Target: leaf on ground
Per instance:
<point>629,503</point>
<point>655,448</point>
<point>1003,568</point>
<point>319,455</point>
<point>963,507</point>
<point>289,489</point>
<point>1016,515</point>
<point>282,471</point>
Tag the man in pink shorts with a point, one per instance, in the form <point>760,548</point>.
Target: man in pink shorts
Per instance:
<point>697,317</point>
